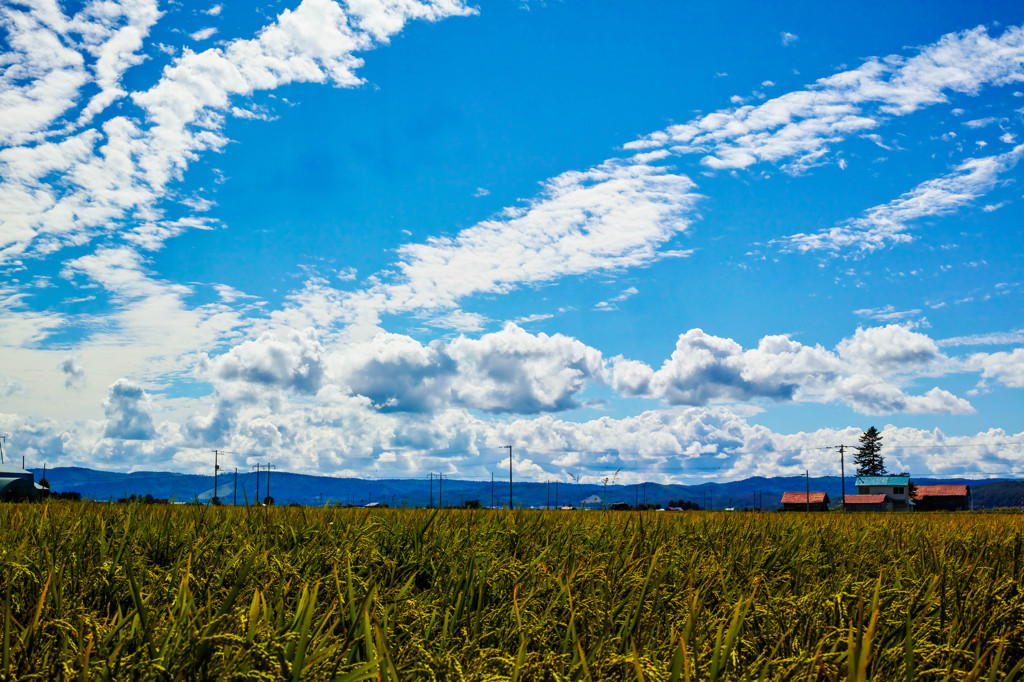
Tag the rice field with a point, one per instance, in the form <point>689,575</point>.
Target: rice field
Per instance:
<point>96,591</point>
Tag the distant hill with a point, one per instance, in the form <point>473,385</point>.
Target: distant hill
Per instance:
<point>316,490</point>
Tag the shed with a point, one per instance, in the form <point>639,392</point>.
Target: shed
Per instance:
<point>800,501</point>
<point>17,484</point>
<point>943,497</point>
<point>877,502</point>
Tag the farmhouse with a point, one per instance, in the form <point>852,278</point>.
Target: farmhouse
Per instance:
<point>943,497</point>
<point>894,488</point>
<point>805,502</point>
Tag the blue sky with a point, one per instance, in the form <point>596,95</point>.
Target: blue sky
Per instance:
<point>388,237</point>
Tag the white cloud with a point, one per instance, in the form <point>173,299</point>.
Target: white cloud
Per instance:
<point>800,127</point>
<point>1006,367</point>
<point>203,34</point>
<point>126,167</point>
<point>990,339</point>
<point>889,348</point>
<point>286,360</point>
<point>887,313</point>
<point>74,373</point>
<point>127,409</point>
<point>614,216</point>
<point>507,371</point>
<point>787,38</point>
<point>891,223</point>
<point>706,369</point>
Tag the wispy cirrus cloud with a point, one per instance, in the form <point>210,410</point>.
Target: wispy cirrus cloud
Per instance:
<point>798,128</point>
<point>617,215</point>
<point>114,175</point>
<point>892,223</point>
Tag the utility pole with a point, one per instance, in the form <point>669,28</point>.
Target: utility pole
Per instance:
<point>807,479</point>
<point>431,489</point>
<point>547,489</point>
<point>269,467</point>
<point>842,473</point>
<point>645,494</point>
<point>556,494</point>
<point>492,490</point>
<point>636,496</point>
<point>509,476</point>
<point>216,468</point>
<point>711,498</point>
<point>2,440</point>
<point>234,498</point>
<point>440,491</point>
<point>257,483</point>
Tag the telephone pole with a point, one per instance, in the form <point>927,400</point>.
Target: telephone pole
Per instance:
<point>257,467</point>
<point>509,476</point>
<point>842,473</point>
<point>216,468</point>
<point>440,491</point>
<point>269,467</point>
<point>2,440</point>
<point>234,498</point>
<point>431,489</point>
<point>807,479</point>
<point>492,490</point>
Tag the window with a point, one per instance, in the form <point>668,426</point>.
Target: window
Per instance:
<point>897,490</point>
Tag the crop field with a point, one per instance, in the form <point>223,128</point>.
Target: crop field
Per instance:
<point>95,591</point>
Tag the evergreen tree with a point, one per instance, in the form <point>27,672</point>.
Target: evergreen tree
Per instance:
<point>869,458</point>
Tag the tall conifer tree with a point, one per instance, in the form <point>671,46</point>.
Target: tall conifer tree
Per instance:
<point>869,458</point>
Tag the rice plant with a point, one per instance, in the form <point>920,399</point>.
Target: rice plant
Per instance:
<point>97,591</point>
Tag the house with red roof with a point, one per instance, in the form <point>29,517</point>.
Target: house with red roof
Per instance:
<point>943,497</point>
<point>805,501</point>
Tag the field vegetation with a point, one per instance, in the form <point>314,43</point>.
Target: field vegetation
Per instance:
<point>95,591</point>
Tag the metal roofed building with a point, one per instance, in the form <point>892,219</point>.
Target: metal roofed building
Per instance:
<point>801,501</point>
<point>17,484</point>
<point>895,488</point>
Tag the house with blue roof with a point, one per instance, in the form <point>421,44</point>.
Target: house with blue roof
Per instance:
<point>883,493</point>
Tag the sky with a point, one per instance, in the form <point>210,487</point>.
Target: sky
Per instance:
<point>645,241</point>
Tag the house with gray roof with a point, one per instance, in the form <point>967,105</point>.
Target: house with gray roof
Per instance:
<point>894,492</point>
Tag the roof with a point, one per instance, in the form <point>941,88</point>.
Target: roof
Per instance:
<point>941,491</point>
<point>867,499</point>
<point>13,471</point>
<point>802,498</point>
<point>883,480</point>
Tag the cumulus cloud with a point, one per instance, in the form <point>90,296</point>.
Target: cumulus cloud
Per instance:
<point>74,373</point>
<point>516,371</point>
<point>706,369</point>
<point>798,128</point>
<point>127,410</point>
<point>889,348</point>
<point>891,223</point>
<point>507,371</point>
<point>1006,367</point>
<point>286,359</point>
